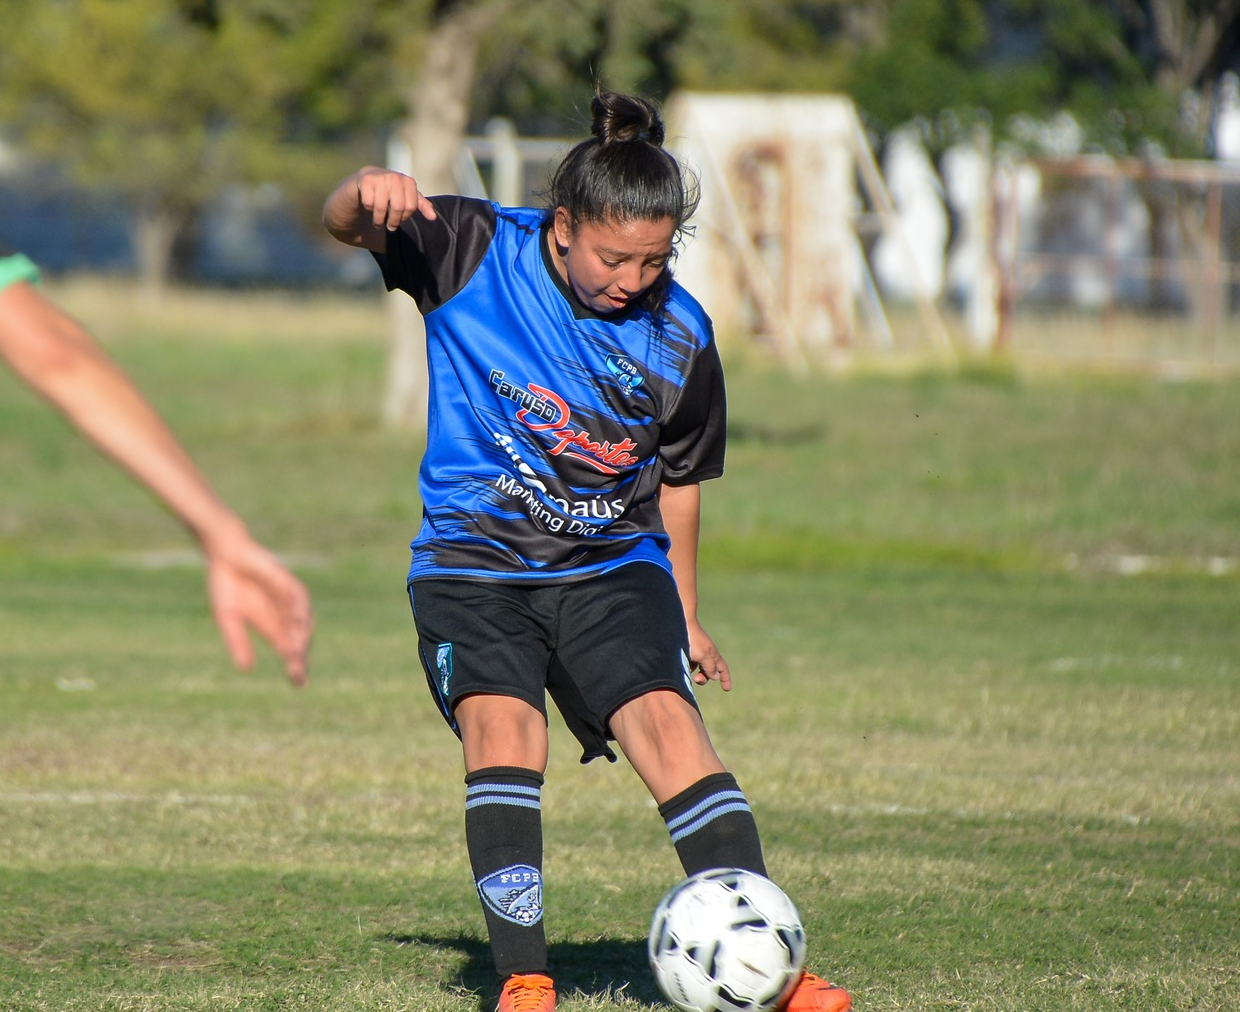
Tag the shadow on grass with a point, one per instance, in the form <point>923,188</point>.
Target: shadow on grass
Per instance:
<point>602,967</point>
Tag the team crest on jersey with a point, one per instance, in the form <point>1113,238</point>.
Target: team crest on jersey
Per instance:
<point>626,373</point>
<point>515,893</point>
<point>443,661</point>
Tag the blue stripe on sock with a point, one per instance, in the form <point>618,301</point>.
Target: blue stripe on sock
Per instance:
<point>709,817</point>
<point>722,797</point>
<point>503,789</point>
<point>503,794</point>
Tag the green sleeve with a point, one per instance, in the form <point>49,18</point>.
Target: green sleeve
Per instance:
<point>17,267</point>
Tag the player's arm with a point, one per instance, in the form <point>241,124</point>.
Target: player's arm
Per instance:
<point>370,203</point>
<point>248,586</point>
<point>681,506</point>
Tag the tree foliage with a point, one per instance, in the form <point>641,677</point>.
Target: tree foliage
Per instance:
<point>541,67</point>
<point>164,102</point>
<point>1122,68</point>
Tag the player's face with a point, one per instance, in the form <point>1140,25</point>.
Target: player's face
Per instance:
<point>609,264</point>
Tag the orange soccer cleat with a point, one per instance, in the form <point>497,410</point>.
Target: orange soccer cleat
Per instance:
<point>528,992</point>
<point>813,994</point>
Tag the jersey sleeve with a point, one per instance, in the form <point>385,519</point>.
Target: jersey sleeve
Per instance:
<point>432,260</point>
<point>693,438</point>
<point>16,267</point>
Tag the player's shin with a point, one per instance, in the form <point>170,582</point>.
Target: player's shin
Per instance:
<point>503,831</point>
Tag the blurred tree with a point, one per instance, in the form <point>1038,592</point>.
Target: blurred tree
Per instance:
<point>1138,77</point>
<point>1189,44</point>
<point>164,102</point>
<point>773,45</point>
<point>1123,68</point>
<point>542,68</point>
<point>437,83</point>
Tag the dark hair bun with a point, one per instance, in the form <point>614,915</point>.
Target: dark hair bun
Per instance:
<point>623,119</point>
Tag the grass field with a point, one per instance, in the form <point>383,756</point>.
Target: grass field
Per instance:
<point>985,634</point>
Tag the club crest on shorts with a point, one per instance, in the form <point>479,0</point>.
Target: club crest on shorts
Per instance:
<point>515,893</point>
<point>443,661</point>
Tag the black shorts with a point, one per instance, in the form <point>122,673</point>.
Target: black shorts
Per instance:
<point>594,645</point>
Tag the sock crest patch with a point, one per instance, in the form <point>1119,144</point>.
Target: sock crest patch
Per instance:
<point>514,893</point>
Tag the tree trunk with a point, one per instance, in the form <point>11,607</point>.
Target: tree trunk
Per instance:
<point>427,146</point>
<point>154,232</point>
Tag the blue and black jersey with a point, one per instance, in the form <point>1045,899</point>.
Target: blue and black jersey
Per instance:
<point>551,427</point>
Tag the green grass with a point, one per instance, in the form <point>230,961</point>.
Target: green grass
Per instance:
<point>996,774</point>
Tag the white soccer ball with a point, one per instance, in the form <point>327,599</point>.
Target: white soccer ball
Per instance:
<point>726,940</point>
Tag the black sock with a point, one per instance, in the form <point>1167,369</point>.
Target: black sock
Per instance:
<point>503,831</point>
<point>712,826</point>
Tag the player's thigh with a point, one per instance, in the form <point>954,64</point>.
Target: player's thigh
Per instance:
<point>623,659</point>
<point>619,635</point>
<point>480,639</point>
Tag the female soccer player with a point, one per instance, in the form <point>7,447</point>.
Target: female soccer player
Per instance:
<point>576,403</point>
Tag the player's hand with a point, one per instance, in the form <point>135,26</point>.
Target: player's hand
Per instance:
<point>251,589</point>
<point>708,663</point>
<point>391,197</point>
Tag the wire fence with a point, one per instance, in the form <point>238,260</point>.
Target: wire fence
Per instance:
<point>1125,264</point>
<point>1119,264</point>
<point>1090,261</point>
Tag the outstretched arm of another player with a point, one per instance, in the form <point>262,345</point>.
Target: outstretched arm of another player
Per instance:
<point>372,202</point>
<point>681,506</point>
<point>248,586</point>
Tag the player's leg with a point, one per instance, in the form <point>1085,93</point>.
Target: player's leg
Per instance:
<point>505,745</point>
<point>709,821</point>
<point>706,813</point>
<point>485,656</point>
<point>642,682</point>
<point>624,672</point>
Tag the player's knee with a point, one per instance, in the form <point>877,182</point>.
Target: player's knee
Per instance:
<point>501,731</point>
<point>661,722</point>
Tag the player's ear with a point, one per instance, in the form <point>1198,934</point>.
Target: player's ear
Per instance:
<point>563,228</point>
